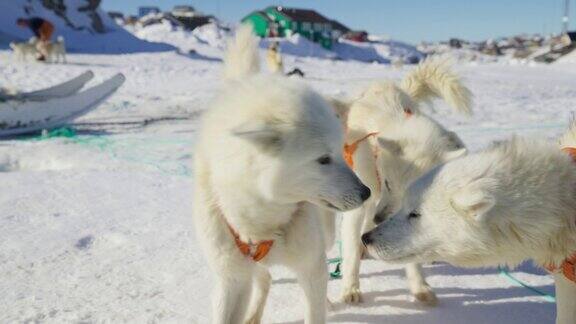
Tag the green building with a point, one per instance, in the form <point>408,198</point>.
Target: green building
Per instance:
<point>282,22</point>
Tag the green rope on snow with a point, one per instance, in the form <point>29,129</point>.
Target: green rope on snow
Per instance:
<point>115,149</point>
<point>545,296</point>
<point>58,132</point>
<point>336,274</point>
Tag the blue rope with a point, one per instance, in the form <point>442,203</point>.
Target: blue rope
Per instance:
<point>547,297</point>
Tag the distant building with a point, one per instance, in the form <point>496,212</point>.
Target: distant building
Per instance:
<point>339,29</point>
<point>356,36</point>
<point>189,18</point>
<point>115,15</point>
<point>143,11</point>
<point>568,38</point>
<point>184,11</point>
<point>192,22</point>
<point>282,22</point>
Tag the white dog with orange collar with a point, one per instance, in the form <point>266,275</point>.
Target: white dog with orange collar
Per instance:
<point>509,203</point>
<point>269,153</point>
<point>389,143</point>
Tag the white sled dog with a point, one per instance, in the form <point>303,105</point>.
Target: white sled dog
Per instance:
<point>24,49</point>
<point>269,152</point>
<point>54,51</point>
<point>390,143</point>
<point>509,203</point>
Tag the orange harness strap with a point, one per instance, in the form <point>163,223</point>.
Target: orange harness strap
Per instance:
<point>568,267</point>
<point>571,151</point>
<point>247,249</point>
<point>350,149</point>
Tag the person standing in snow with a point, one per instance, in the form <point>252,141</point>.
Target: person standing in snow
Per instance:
<point>274,58</point>
<point>42,29</point>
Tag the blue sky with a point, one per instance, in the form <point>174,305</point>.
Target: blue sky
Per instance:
<point>407,20</point>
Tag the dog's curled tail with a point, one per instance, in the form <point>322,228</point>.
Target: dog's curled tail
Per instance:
<point>568,140</point>
<point>241,56</point>
<point>433,78</point>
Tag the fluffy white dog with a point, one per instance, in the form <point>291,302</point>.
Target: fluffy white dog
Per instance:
<point>24,49</point>
<point>390,143</point>
<point>269,152</point>
<point>509,203</point>
<point>54,51</point>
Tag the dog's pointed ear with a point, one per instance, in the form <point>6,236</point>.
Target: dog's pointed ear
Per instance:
<point>389,145</point>
<point>258,133</point>
<point>341,108</point>
<point>475,199</point>
<point>454,154</point>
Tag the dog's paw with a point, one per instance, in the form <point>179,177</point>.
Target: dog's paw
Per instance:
<point>426,296</point>
<point>351,295</point>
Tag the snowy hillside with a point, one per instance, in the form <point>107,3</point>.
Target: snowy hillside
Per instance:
<point>85,27</point>
<point>210,40</point>
<point>98,228</point>
<point>381,51</point>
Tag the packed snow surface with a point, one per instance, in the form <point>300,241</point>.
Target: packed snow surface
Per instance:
<point>98,228</point>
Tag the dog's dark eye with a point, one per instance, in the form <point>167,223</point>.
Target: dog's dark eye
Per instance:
<point>413,215</point>
<point>326,159</point>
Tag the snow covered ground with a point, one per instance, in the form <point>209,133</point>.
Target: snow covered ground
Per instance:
<point>98,228</point>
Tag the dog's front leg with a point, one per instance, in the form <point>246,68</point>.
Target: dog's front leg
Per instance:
<point>313,278</point>
<point>565,300</point>
<point>230,300</point>
<point>260,289</point>
<point>418,285</point>
<point>352,222</point>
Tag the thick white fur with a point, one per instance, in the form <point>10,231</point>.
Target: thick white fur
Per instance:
<point>409,145</point>
<point>54,51</point>
<point>434,79</point>
<point>242,59</point>
<point>256,167</point>
<point>25,49</point>
<point>509,203</point>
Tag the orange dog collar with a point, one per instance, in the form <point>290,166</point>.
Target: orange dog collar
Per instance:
<point>256,252</point>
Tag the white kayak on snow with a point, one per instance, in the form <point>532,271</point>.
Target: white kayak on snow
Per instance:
<point>64,89</point>
<point>28,116</point>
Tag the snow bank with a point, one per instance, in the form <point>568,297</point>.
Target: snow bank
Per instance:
<point>381,51</point>
<point>213,34</point>
<point>76,26</point>
<point>210,39</point>
<point>299,46</point>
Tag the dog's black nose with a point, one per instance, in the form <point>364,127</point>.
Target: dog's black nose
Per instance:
<point>365,194</point>
<point>367,239</point>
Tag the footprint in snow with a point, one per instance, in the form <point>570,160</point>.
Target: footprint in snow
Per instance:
<point>84,243</point>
